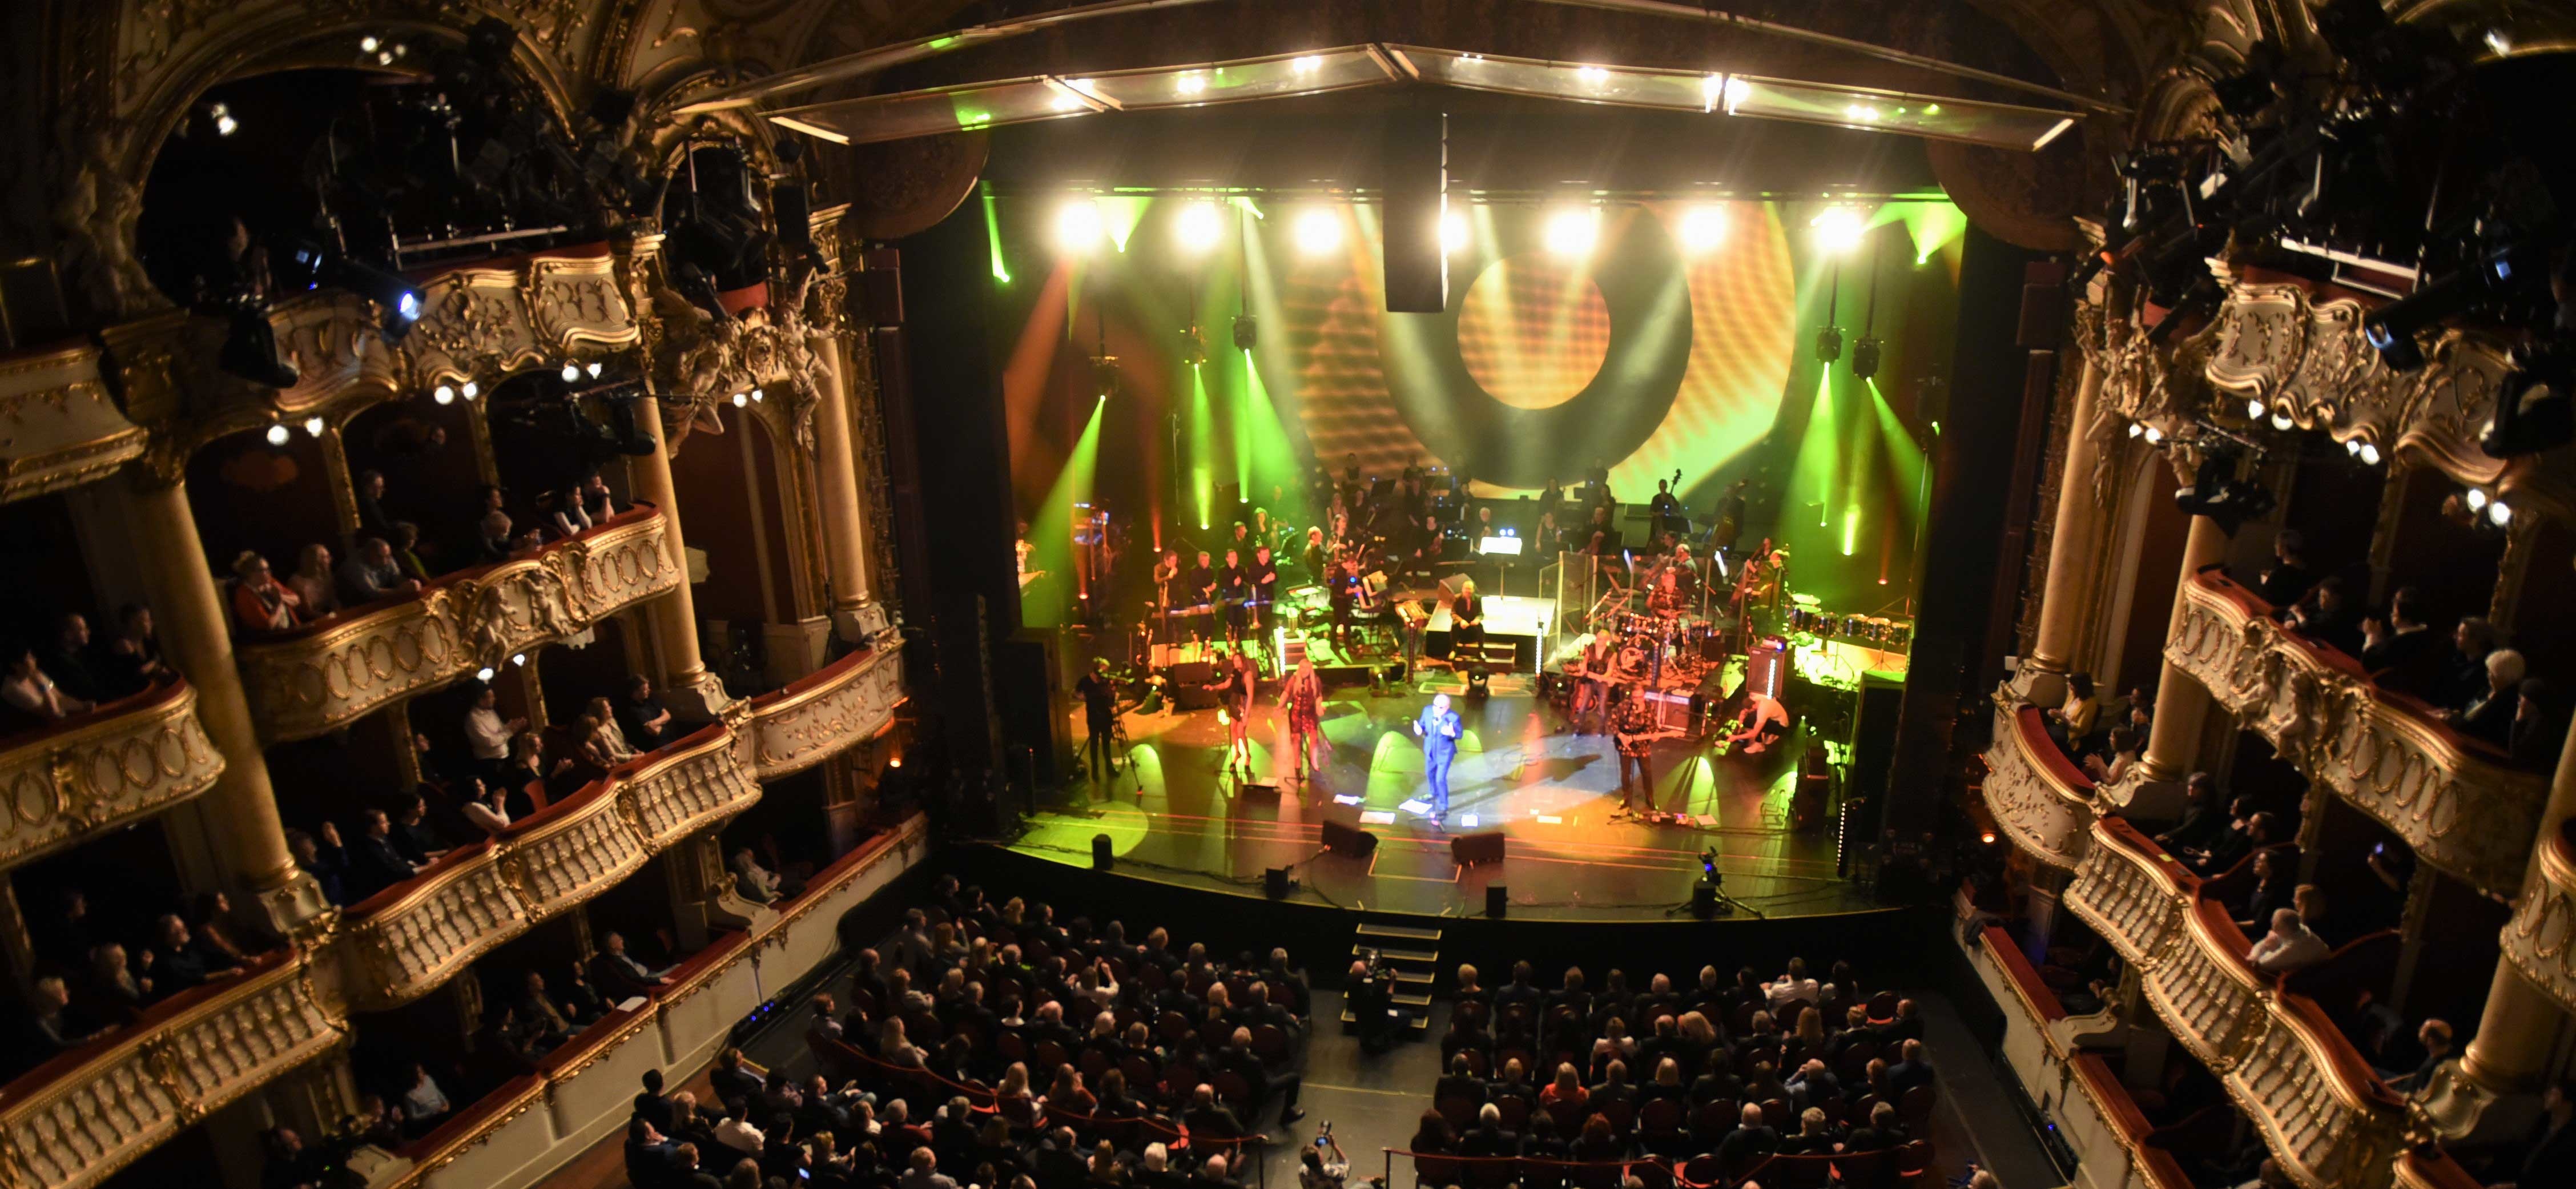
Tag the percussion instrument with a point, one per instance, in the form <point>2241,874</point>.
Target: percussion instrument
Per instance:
<point>1900,634</point>
<point>1634,657</point>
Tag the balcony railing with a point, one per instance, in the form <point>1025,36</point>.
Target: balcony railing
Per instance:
<point>124,760</point>
<point>2036,794</point>
<point>821,714</point>
<point>585,1089</point>
<point>327,674</point>
<point>2325,1115</point>
<point>2453,799</point>
<point>2540,941</point>
<point>64,428</point>
<point>75,1120</point>
<point>410,937</point>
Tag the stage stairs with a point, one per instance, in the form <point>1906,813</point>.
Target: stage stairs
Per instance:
<point>1414,953</point>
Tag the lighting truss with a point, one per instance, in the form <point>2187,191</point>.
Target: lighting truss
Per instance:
<point>972,106</point>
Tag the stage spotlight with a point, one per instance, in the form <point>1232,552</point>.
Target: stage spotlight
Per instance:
<point>1319,230</point>
<point>1592,76</point>
<point>1838,229</point>
<point>2533,410</point>
<point>1078,227</point>
<point>309,265</point>
<point>250,349</point>
<point>2508,271</point>
<point>1247,332</point>
<point>1192,83</point>
<point>1199,225</point>
<point>1829,344</point>
<point>277,435</point>
<point>1865,358</point>
<point>1572,232</point>
<point>1453,232</point>
<point>1305,64</point>
<point>225,124</point>
<point>1703,228</point>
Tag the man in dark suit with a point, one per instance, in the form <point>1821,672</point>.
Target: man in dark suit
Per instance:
<point>648,1156</point>
<point>1240,1060</point>
<point>1205,1114</point>
<point>1747,1144</point>
<point>1912,1070</point>
<point>619,973</point>
<point>2401,652</point>
<point>2550,1150</point>
<point>1058,1161</point>
<point>1489,1138</point>
<point>1882,1133</point>
<point>1460,1083</point>
<point>374,863</point>
<point>1520,990</point>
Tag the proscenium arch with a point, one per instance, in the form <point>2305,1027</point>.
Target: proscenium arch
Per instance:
<point>1639,271</point>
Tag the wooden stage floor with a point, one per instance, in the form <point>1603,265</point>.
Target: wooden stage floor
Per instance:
<point>1173,815</point>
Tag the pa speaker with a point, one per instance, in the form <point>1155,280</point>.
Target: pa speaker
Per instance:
<point>1467,850</point>
<point>1274,882</point>
<point>1347,840</point>
<point>1498,900</point>
<point>1101,859</point>
<point>1416,168</point>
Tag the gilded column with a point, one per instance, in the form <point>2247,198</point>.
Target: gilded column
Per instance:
<point>242,808</point>
<point>2173,740</point>
<point>845,544</point>
<point>686,684</point>
<point>2083,507</point>
<point>2505,1064</point>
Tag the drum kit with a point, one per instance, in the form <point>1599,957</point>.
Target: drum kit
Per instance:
<point>1649,644</point>
<point>1806,617</point>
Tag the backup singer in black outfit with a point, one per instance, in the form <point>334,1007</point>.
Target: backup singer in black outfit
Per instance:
<point>1234,585</point>
<point>1265,591</point>
<point>1201,584</point>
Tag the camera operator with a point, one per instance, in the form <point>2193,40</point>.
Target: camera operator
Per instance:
<point>1322,1165</point>
<point>1372,1001</point>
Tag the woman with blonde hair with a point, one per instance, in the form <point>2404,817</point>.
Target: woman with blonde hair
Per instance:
<point>312,582</point>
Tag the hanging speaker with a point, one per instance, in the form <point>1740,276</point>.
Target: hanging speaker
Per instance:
<point>1416,167</point>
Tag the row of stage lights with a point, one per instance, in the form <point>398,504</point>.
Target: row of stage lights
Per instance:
<point>1573,231</point>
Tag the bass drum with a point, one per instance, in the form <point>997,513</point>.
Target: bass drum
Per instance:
<point>1900,635</point>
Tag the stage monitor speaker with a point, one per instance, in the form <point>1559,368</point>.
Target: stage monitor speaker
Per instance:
<point>1101,858</point>
<point>1346,840</point>
<point>1467,850</point>
<point>1498,900</point>
<point>1274,882</point>
<point>1256,791</point>
<point>1703,900</point>
<point>1415,164</point>
<point>1189,685</point>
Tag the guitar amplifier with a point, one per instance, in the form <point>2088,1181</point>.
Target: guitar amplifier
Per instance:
<point>1672,711</point>
<point>1189,686</point>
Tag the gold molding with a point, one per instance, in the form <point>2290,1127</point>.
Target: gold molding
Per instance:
<point>2032,802</point>
<point>128,759</point>
<point>824,714</point>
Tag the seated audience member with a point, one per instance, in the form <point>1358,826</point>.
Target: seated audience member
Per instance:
<point>2202,816</point>
<point>423,1102</point>
<point>2489,717</point>
<point>569,517</point>
<point>540,1010</point>
<point>1911,1069</point>
<point>612,738</point>
<point>2275,888</point>
<point>2435,1039</point>
<point>492,542</point>
<point>2329,617</point>
<point>374,862</point>
<point>1748,1144</point>
<point>132,659</point>
<point>409,555</point>
<point>1882,1133</point>
<point>414,838</point>
<point>210,922</point>
<point>312,582</point>
<point>1432,1134</point>
<point>49,1029</point>
<point>485,807</point>
<point>597,752</point>
<point>2288,947</point>
<point>641,716</point>
<point>2110,766</point>
<point>619,974</point>
<point>71,662</point>
<point>1815,1135</point>
<point>2549,1148</point>
<point>2539,726</point>
<point>325,860</point>
<point>648,1154</point>
<point>2288,579</point>
<point>113,990</point>
<point>757,883</point>
<point>1794,985</point>
<point>2464,670</point>
<point>371,573</point>
<point>596,498</point>
<point>2400,651</point>
<point>2071,723</point>
<point>732,1079</point>
<point>262,604</point>
<point>32,696</point>
<point>178,964</point>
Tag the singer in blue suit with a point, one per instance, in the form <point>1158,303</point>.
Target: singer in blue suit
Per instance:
<point>1438,728</point>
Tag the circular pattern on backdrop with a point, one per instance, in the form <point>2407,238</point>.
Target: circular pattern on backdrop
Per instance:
<point>1638,273</point>
<point>1533,332</point>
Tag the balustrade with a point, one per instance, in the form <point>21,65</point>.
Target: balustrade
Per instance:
<point>2035,793</point>
<point>75,1120</point>
<point>96,771</point>
<point>824,713</point>
<point>2325,1115</point>
<point>327,674</point>
<point>2453,799</point>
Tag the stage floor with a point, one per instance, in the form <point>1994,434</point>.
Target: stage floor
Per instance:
<point>1173,814</point>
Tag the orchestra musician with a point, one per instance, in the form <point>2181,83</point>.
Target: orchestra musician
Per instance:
<point>1667,509</point>
<point>1666,598</point>
<point>1168,594</point>
<point>1466,624</point>
<point>1592,693</point>
<point>1264,573</point>
<point>1234,585</point>
<point>1303,696</point>
<point>1730,519</point>
<point>1315,558</point>
<point>1342,587</point>
<point>1202,591</point>
<point>1633,728</point>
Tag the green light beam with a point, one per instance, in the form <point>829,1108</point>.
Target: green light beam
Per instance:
<point>1049,602</point>
<point>1202,443</point>
<point>993,236</point>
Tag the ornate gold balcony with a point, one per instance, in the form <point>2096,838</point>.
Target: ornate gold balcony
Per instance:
<point>824,713</point>
<point>2540,941</point>
<point>2038,797</point>
<point>328,674</point>
<point>128,758</point>
<point>411,937</point>
<point>63,429</point>
<point>78,1118</point>
<point>2326,1117</point>
<point>2451,798</point>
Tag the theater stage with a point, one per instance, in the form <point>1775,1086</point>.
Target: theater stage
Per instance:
<point>1172,815</point>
